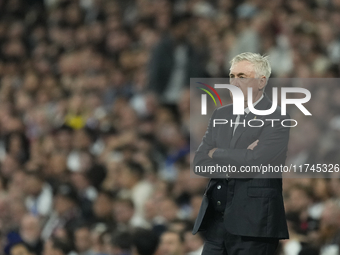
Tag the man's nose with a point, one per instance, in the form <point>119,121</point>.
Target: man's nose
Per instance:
<point>235,82</point>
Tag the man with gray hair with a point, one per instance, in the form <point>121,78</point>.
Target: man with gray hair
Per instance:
<point>242,214</point>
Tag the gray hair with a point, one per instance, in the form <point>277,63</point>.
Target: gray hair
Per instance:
<point>261,63</point>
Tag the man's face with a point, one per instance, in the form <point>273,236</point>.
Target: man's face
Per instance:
<point>171,244</point>
<point>243,76</point>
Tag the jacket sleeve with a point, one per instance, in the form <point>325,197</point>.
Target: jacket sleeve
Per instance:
<point>201,158</point>
<point>273,141</point>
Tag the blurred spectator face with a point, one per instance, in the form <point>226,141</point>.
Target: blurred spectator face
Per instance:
<point>15,145</point>
<point>63,204</point>
<point>86,161</point>
<point>117,40</point>
<point>144,146</point>
<point>38,151</point>
<point>39,33</point>
<point>62,234</point>
<point>171,244</point>
<point>11,124</point>
<point>299,199</point>
<point>81,140</point>
<point>17,210</point>
<point>80,181</point>
<point>169,209</point>
<point>19,249</point>
<point>170,135</point>
<point>31,83</point>
<point>149,38</point>
<point>16,30</point>
<point>30,229</point>
<point>23,101</point>
<point>33,185</point>
<point>127,179</point>
<point>151,209</point>
<point>14,48</point>
<point>180,30</point>
<point>18,179</point>
<point>16,185</point>
<point>64,139</point>
<point>123,211</point>
<point>320,191</point>
<point>9,166</point>
<point>81,36</point>
<point>331,215</point>
<point>113,174</point>
<point>164,115</point>
<point>82,239</point>
<point>102,206</point>
<point>75,104</point>
<point>96,30</point>
<point>128,119</point>
<point>57,164</point>
<point>161,189</point>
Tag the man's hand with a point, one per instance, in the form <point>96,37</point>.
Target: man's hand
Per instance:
<point>211,152</point>
<point>253,145</point>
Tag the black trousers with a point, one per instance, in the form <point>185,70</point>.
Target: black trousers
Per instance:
<point>220,242</point>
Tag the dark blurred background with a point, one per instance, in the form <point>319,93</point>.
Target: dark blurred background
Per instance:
<point>94,119</point>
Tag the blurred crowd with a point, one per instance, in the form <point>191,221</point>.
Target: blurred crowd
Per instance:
<point>95,119</point>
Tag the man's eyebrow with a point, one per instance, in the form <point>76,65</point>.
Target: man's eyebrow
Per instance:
<point>237,74</point>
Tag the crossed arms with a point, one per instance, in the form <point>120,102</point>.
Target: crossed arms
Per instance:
<point>271,143</point>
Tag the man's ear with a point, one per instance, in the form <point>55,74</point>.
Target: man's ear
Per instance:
<point>262,83</point>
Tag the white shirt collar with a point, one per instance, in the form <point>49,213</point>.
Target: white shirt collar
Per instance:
<point>246,110</point>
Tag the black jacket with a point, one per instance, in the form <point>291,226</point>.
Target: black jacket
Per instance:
<point>257,205</point>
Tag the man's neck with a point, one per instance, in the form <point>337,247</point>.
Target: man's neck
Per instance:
<point>258,98</point>
<point>254,104</point>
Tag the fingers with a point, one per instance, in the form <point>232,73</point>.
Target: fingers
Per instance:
<point>211,152</point>
<point>253,145</point>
